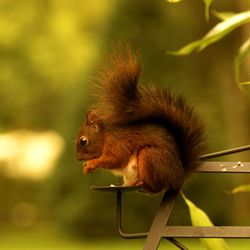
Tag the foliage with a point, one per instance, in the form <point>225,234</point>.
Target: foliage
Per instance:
<point>199,218</point>
<point>207,6</point>
<point>173,1</point>
<point>46,47</point>
<point>244,50</point>
<point>229,22</point>
<point>216,33</point>
<point>240,189</point>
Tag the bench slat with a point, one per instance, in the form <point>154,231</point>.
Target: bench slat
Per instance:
<point>207,232</point>
<point>224,167</point>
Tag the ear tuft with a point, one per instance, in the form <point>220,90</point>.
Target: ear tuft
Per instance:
<point>91,118</point>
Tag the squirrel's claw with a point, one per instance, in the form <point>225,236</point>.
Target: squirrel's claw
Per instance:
<point>138,184</point>
<point>87,170</point>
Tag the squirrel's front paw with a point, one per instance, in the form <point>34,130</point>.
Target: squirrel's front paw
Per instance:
<point>88,168</point>
<point>138,184</point>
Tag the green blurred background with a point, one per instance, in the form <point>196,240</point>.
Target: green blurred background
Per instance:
<point>49,51</point>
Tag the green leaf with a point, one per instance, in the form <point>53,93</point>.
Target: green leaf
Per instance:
<point>215,34</point>
<point>207,8</point>
<point>245,83</point>
<point>223,15</point>
<point>199,218</point>
<point>186,49</point>
<point>244,50</point>
<point>173,1</point>
<point>242,188</point>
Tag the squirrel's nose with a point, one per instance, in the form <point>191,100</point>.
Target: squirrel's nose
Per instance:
<point>79,156</point>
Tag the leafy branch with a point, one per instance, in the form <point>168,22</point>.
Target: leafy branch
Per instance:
<point>241,189</point>
<point>200,218</point>
<point>229,22</point>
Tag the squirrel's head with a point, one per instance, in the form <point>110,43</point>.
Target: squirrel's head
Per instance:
<point>90,138</point>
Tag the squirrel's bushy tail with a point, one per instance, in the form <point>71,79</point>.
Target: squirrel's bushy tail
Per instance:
<point>123,102</point>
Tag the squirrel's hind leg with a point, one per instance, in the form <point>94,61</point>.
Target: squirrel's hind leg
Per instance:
<point>159,169</point>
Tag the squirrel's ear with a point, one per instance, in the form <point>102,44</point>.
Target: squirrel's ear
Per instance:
<point>92,118</point>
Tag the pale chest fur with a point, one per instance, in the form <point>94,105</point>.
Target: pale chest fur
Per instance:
<point>130,172</point>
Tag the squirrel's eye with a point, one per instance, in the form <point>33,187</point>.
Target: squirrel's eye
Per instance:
<point>83,141</point>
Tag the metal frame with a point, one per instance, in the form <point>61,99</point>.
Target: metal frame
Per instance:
<point>159,228</point>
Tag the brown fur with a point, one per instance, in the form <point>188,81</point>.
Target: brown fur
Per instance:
<point>147,134</point>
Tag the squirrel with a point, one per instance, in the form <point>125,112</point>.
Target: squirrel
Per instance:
<point>146,134</point>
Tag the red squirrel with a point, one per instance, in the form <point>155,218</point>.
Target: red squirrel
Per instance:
<point>146,134</point>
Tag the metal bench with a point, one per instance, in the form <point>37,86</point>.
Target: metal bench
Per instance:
<point>159,228</point>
